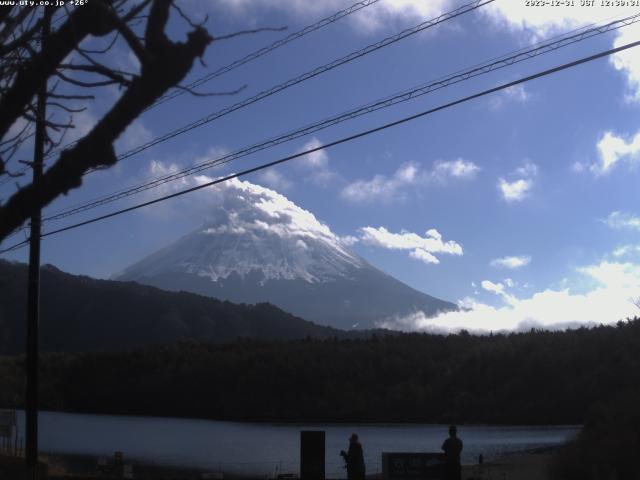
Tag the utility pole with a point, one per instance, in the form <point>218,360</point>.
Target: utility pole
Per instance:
<point>33,293</point>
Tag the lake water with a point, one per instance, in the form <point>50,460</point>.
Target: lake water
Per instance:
<point>264,449</point>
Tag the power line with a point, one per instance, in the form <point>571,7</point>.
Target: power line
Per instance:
<point>254,55</point>
<point>308,75</point>
<point>462,75</point>
<point>338,142</point>
<point>269,48</point>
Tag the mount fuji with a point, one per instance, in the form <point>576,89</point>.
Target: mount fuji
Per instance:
<point>258,246</point>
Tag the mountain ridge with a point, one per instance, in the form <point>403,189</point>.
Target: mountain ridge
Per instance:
<point>331,287</point>
<point>80,313</point>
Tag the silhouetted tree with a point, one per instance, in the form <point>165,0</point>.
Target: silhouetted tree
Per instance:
<point>30,59</point>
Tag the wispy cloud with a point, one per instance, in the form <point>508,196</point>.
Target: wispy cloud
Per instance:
<point>513,94</point>
<point>626,250</point>
<point>623,220</point>
<point>382,188</point>
<point>459,168</point>
<point>274,179</point>
<point>136,134</point>
<point>394,188</point>
<point>511,261</point>
<point>316,164</point>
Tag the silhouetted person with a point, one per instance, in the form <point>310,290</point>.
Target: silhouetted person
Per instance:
<point>452,447</point>
<point>354,458</point>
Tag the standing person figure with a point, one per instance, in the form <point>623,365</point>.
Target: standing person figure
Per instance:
<point>452,447</point>
<point>354,458</point>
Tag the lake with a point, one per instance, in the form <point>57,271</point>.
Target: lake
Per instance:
<point>264,449</point>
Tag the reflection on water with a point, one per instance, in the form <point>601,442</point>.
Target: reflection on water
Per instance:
<point>265,448</point>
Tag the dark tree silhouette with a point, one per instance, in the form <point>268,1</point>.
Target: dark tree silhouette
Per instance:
<point>29,59</point>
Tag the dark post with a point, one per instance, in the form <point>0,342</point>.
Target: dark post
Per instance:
<point>312,455</point>
<point>33,293</point>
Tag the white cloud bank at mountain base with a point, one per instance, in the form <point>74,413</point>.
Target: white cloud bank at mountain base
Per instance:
<point>614,286</point>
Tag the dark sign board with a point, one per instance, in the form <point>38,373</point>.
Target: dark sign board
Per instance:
<point>312,455</point>
<point>412,466</point>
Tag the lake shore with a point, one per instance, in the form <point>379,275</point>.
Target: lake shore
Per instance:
<point>531,464</point>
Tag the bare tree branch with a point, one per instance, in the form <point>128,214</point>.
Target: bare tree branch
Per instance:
<point>90,19</point>
<point>66,108</point>
<point>81,83</point>
<point>166,65</point>
<point>115,76</point>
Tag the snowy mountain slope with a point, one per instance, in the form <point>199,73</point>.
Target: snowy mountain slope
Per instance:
<point>259,246</point>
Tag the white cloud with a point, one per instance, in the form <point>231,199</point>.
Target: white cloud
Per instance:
<point>511,261</point>
<point>536,23</point>
<point>421,248</point>
<point>516,16</point>
<point>489,286</point>
<point>520,182</point>
<point>498,289</point>
<point>214,152</point>
<point>317,164</point>
<point>367,20</point>
<point>513,94</point>
<point>458,168</point>
<point>317,159</point>
<point>423,256</point>
<point>394,188</point>
<point>382,188</point>
<point>529,169</point>
<point>628,61</point>
<point>274,179</point>
<point>516,190</point>
<point>613,149</point>
<point>349,240</point>
<point>517,93</point>
<point>626,250</point>
<point>614,286</point>
<point>136,134</point>
<point>622,220</point>
<point>578,167</point>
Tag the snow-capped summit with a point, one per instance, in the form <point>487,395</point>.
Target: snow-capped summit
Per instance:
<point>259,246</point>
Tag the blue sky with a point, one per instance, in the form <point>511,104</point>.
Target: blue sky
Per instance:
<point>521,205</point>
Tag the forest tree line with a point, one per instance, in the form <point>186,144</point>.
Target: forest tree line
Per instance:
<point>537,377</point>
